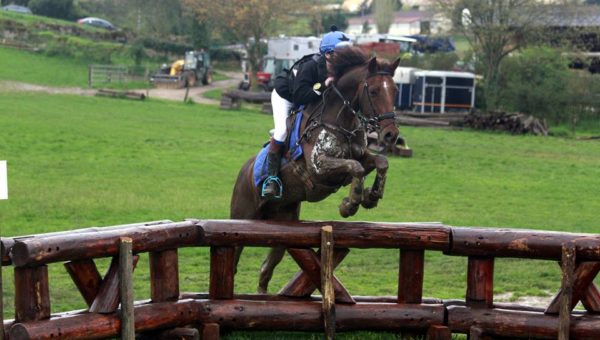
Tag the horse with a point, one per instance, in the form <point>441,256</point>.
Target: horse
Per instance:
<point>334,143</point>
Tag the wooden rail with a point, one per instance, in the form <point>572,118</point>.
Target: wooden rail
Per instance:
<point>295,308</point>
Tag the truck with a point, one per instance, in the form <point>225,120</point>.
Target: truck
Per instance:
<point>282,53</point>
<point>193,69</point>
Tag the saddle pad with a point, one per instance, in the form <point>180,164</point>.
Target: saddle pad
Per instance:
<point>260,164</point>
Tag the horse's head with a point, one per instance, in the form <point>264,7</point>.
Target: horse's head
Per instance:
<point>371,86</point>
<point>377,98</point>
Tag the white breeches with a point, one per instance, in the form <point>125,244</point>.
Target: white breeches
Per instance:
<point>281,110</point>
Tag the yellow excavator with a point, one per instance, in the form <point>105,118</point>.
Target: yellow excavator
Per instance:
<point>188,72</point>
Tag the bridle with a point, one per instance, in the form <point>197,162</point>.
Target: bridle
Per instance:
<point>368,124</point>
<point>365,124</point>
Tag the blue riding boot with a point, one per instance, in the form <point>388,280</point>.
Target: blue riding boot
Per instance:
<point>272,188</point>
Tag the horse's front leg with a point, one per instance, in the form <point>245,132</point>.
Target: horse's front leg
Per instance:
<point>340,167</point>
<point>373,194</point>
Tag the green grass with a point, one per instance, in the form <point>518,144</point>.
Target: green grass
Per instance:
<point>77,162</point>
<point>40,69</point>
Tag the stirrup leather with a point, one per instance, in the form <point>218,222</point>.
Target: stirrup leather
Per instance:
<point>277,181</point>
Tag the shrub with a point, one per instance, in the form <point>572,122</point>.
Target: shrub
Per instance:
<point>61,9</point>
<point>539,82</point>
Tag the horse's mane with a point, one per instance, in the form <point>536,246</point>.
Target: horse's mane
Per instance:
<point>349,57</point>
<point>346,58</point>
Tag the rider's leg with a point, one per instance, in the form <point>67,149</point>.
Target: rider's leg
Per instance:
<point>281,109</point>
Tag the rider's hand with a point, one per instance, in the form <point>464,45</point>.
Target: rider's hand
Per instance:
<point>328,81</point>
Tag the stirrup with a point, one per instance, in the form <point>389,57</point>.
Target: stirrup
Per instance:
<point>279,184</point>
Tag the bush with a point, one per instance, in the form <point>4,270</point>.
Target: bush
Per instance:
<point>539,82</point>
<point>60,9</point>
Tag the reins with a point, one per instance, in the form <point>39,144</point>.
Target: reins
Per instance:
<point>364,124</point>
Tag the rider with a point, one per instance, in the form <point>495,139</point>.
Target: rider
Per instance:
<point>299,86</point>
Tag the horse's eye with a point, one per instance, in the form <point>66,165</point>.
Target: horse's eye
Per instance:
<point>373,92</point>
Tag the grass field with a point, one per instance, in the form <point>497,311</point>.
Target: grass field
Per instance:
<point>77,162</point>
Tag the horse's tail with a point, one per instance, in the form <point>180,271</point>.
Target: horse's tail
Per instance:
<point>245,201</point>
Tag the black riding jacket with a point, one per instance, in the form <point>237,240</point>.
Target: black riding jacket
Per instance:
<point>299,89</point>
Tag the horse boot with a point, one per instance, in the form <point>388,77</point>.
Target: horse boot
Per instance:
<point>272,187</point>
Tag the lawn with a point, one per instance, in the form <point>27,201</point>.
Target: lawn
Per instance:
<point>78,162</point>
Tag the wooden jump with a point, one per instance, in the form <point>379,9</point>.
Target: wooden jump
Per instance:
<point>170,313</point>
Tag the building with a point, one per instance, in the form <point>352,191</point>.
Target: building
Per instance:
<point>405,23</point>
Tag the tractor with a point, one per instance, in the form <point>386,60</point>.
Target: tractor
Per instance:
<point>188,72</point>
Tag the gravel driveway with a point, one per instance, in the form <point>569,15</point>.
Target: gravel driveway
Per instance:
<point>196,93</point>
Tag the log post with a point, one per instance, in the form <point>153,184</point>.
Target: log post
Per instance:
<point>568,270</point>
<point>164,276</point>
<point>210,331</point>
<point>410,277</point>
<point>222,263</point>
<point>327,281</point>
<point>126,289</point>
<point>480,282</point>
<point>32,295</point>
<point>438,332</point>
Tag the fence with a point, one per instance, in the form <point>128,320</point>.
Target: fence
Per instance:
<point>106,74</point>
<point>294,308</point>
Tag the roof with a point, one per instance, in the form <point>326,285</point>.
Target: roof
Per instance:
<point>453,74</point>
<point>399,17</point>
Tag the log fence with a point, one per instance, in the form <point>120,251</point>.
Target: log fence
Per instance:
<point>170,313</point>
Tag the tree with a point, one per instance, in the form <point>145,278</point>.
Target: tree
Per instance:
<point>245,21</point>
<point>384,14</point>
<point>494,29</point>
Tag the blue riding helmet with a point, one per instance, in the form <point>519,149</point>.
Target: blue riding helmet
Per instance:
<point>332,40</point>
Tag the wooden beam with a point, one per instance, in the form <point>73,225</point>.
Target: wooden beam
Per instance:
<point>583,277</point>
<point>77,246</point>
<point>86,277</point>
<point>410,277</point>
<point>164,276</point>
<point>480,282</point>
<point>301,285</point>
<point>568,269</point>
<point>591,299</point>
<point>32,294</point>
<point>107,300</point>
<point>126,289</point>
<point>296,234</point>
<point>211,331</point>
<point>438,332</point>
<point>328,293</point>
<point>222,266</point>
<point>309,262</point>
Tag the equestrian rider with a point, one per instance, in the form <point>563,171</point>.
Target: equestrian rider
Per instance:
<point>301,85</point>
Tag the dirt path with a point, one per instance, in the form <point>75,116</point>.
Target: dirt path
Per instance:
<point>196,93</point>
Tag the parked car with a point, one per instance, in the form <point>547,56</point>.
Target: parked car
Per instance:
<point>97,22</point>
<point>16,8</point>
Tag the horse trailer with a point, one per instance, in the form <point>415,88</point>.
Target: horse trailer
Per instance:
<point>443,91</point>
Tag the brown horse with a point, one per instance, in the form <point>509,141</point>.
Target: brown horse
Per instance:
<point>333,139</point>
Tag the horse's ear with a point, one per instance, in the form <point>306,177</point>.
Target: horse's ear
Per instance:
<point>395,65</point>
<point>373,65</point>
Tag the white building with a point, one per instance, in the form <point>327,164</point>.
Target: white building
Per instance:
<point>405,23</point>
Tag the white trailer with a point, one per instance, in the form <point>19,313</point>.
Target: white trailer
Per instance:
<point>282,53</point>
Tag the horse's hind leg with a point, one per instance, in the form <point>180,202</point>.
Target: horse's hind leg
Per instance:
<point>288,213</point>
<point>266,270</point>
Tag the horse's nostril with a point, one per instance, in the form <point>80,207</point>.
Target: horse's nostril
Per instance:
<point>388,137</point>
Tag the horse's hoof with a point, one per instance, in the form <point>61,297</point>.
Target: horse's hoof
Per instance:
<point>369,199</point>
<point>347,209</point>
<point>261,290</point>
